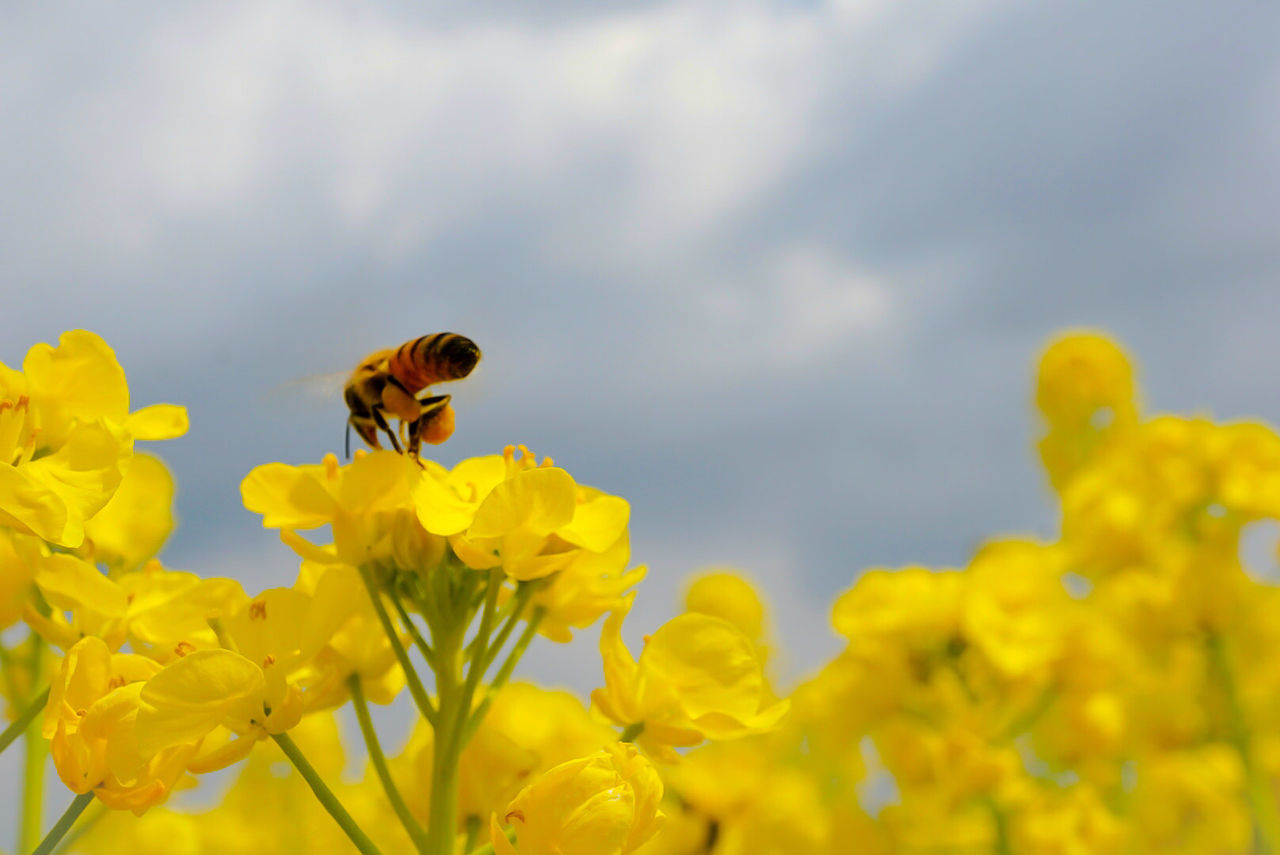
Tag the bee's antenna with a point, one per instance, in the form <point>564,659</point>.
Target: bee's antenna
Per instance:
<point>347,445</point>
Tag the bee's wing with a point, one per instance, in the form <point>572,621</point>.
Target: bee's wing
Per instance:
<point>313,388</point>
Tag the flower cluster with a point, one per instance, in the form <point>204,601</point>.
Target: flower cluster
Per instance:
<point>1110,689</point>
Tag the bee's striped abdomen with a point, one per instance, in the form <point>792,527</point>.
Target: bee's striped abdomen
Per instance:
<point>434,358</point>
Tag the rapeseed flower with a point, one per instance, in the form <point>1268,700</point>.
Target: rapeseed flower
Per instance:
<point>91,720</point>
<point>698,677</point>
<point>602,804</point>
<point>66,436</point>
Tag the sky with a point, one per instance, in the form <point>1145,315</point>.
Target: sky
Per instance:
<point>775,272</point>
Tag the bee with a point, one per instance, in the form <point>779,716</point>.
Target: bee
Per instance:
<point>386,384</point>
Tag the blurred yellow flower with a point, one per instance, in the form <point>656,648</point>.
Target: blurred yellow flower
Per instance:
<point>726,594</point>
<point>602,804</point>
<point>697,678</point>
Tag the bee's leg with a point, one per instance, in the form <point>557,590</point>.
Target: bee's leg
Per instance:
<point>366,427</point>
<point>435,424</point>
<point>381,422</point>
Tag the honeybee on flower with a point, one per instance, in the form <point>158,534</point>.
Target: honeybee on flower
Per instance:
<point>387,382</point>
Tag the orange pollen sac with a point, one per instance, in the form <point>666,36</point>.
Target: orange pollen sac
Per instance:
<point>440,428</point>
<point>518,814</point>
<point>268,661</point>
<point>116,682</point>
<point>182,648</point>
<point>258,610</point>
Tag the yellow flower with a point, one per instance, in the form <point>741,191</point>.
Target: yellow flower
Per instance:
<point>1085,381</point>
<point>787,816</point>
<point>603,804</point>
<point>91,720</point>
<point>18,557</point>
<point>591,584</point>
<point>162,613</point>
<point>1015,606</point>
<point>133,526</point>
<point>915,607</point>
<point>697,677</point>
<point>357,645</point>
<point>66,436</point>
<point>1192,801</point>
<point>725,594</point>
<point>526,731</point>
<point>360,501</point>
<point>951,762</point>
<point>252,691</point>
<point>1072,821</point>
<point>530,518</point>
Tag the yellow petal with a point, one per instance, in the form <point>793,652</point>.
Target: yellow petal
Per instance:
<point>540,500</point>
<point>288,496</point>
<point>439,507</point>
<point>729,596</point>
<point>501,845</point>
<point>83,475</point>
<point>475,477</point>
<point>133,526</point>
<point>29,506</point>
<point>195,694</point>
<point>307,550</point>
<point>70,583</point>
<point>80,378</point>
<point>710,664</point>
<point>159,421</point>
<point>598,523</point>
<point>377,481</point>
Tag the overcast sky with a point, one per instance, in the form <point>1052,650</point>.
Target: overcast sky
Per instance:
<point>776,272</point>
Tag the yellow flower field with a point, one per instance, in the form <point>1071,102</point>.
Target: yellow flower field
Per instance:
<point>1115,690</point>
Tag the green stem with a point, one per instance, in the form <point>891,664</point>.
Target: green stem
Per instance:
<point>64,823</point>
<point>480,646</point>
<point>1000,826</point>
<point>325,795</point>
<point>443,816</point>
<point>1266,819</point>
<point>19,724</point>
<point>418,641</point>
<point>416,689</point>
<point>83,827</point>
<point>631,731</point>
<point>7,667</point>
<point>379,761</point>
<point>504,673</point>
<point>37,751</point>
<point>521,598</point>
<point>473,830</point>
